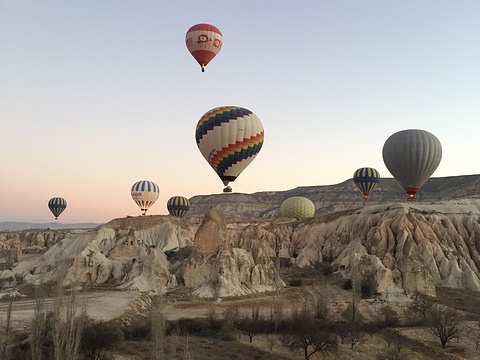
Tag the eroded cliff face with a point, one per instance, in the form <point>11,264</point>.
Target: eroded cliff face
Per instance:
<point>216,269</point>
<point>412,246</point>
<point>128,253</point>
<point>331,198</point>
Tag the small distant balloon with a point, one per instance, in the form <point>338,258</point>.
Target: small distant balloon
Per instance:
<point>412,156</point>
<point>204,42</point>
<point>297,207</point>
<point>366,179</point>
<point>145,193</point>
<point>229,138</point>
<point>57,205</point>
<point>178,206</point>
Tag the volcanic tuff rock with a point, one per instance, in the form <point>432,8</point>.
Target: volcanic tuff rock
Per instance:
<point>410,245</point>
<point>331,198</point>
<point>126,252</point>
<point>216,269</point>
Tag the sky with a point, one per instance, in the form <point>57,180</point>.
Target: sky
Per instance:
<point>96,95</point>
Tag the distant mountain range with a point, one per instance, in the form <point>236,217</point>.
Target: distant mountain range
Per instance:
<point>330,198</point>
<point>15,226</point>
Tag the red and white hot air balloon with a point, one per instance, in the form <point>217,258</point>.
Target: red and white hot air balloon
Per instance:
<point>204,41</point>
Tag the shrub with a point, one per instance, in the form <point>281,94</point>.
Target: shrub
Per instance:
<point>348,285</point>
<point>197,326</point>
<point>368,286</point>
<point>138,328</point>
<point>295,282</point>
<point>97,336</point>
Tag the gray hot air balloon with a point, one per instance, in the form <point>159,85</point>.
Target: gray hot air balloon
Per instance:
<point>412,156</point>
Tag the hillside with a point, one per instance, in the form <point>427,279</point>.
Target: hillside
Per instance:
<point>330,198</point>
<point>215,260</point>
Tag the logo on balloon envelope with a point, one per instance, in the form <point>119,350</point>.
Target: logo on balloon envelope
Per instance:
<point>145,193</point>
<point>202,38</point>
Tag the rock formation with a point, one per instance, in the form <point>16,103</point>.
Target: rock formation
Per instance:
<point>332,198</point>
<point>412,246</point>
<point>15,250</point>
<point>216,269</point>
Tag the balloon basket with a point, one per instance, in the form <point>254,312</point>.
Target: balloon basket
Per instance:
<point>227,189</point>
<point>411,199</point>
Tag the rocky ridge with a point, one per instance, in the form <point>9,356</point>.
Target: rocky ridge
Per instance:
<point>331,198</point>
<point>398,246</point>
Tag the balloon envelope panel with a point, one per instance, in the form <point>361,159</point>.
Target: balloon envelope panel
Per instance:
<point>412,156</point>
<point>57,205</point>
<point>204,42</point>
<point>229,138</point>
<point>297,207</point>
<point>178,206</point>
<point>366,179</point>
<point>145,193</point>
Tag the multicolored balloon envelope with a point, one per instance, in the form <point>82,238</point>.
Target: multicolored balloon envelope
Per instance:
<point>178,206</point>
<point>366,179</point>
<point>229,138</point>
<point>297,207</point>
<point>57,205</point>
<point>145,193</point>
<point>204,41</point>
<point>412,156</point>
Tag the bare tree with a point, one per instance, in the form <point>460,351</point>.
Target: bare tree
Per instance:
<point>355,335</point>
<point>421,304</point>
<point>277,308</point>
<point>389,335</point>
<point>391,354</point>
<point>187,355</point>
<point>320,304</point>
<point>6,336</point>
<point>352,330</point>
<point>230,317</point>
<point>67,324</point>
<point>390,316</point>
<point>253,325</point>
<point>444,323</point>
<point>159,329</point>
<point>39,324</point>
<point>307,335</point>
<point>98,335</point>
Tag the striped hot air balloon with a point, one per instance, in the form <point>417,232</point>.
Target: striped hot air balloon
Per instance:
<point>412,156</point>
<point>145,193</point>
<point>204,41</point>
<point>178,206</point>
<point>57,205</point>
<point>229,138</point>
<point>366,179</point>
<point>297,207</point>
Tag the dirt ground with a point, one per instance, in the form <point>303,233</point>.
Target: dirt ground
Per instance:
<point>417,344</point>
<point>105,305</point>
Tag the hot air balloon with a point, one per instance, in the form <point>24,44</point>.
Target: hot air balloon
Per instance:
<point>412,156</point>
<point>366,179</point>
<point>204,41</point>
<point>57,205</point>
<point>229,138</point>
<point>145,193</point>
<point>178,206</point>
<point>297,207</point>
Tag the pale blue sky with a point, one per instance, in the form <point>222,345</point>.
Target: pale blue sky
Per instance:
<point>96,95</point>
